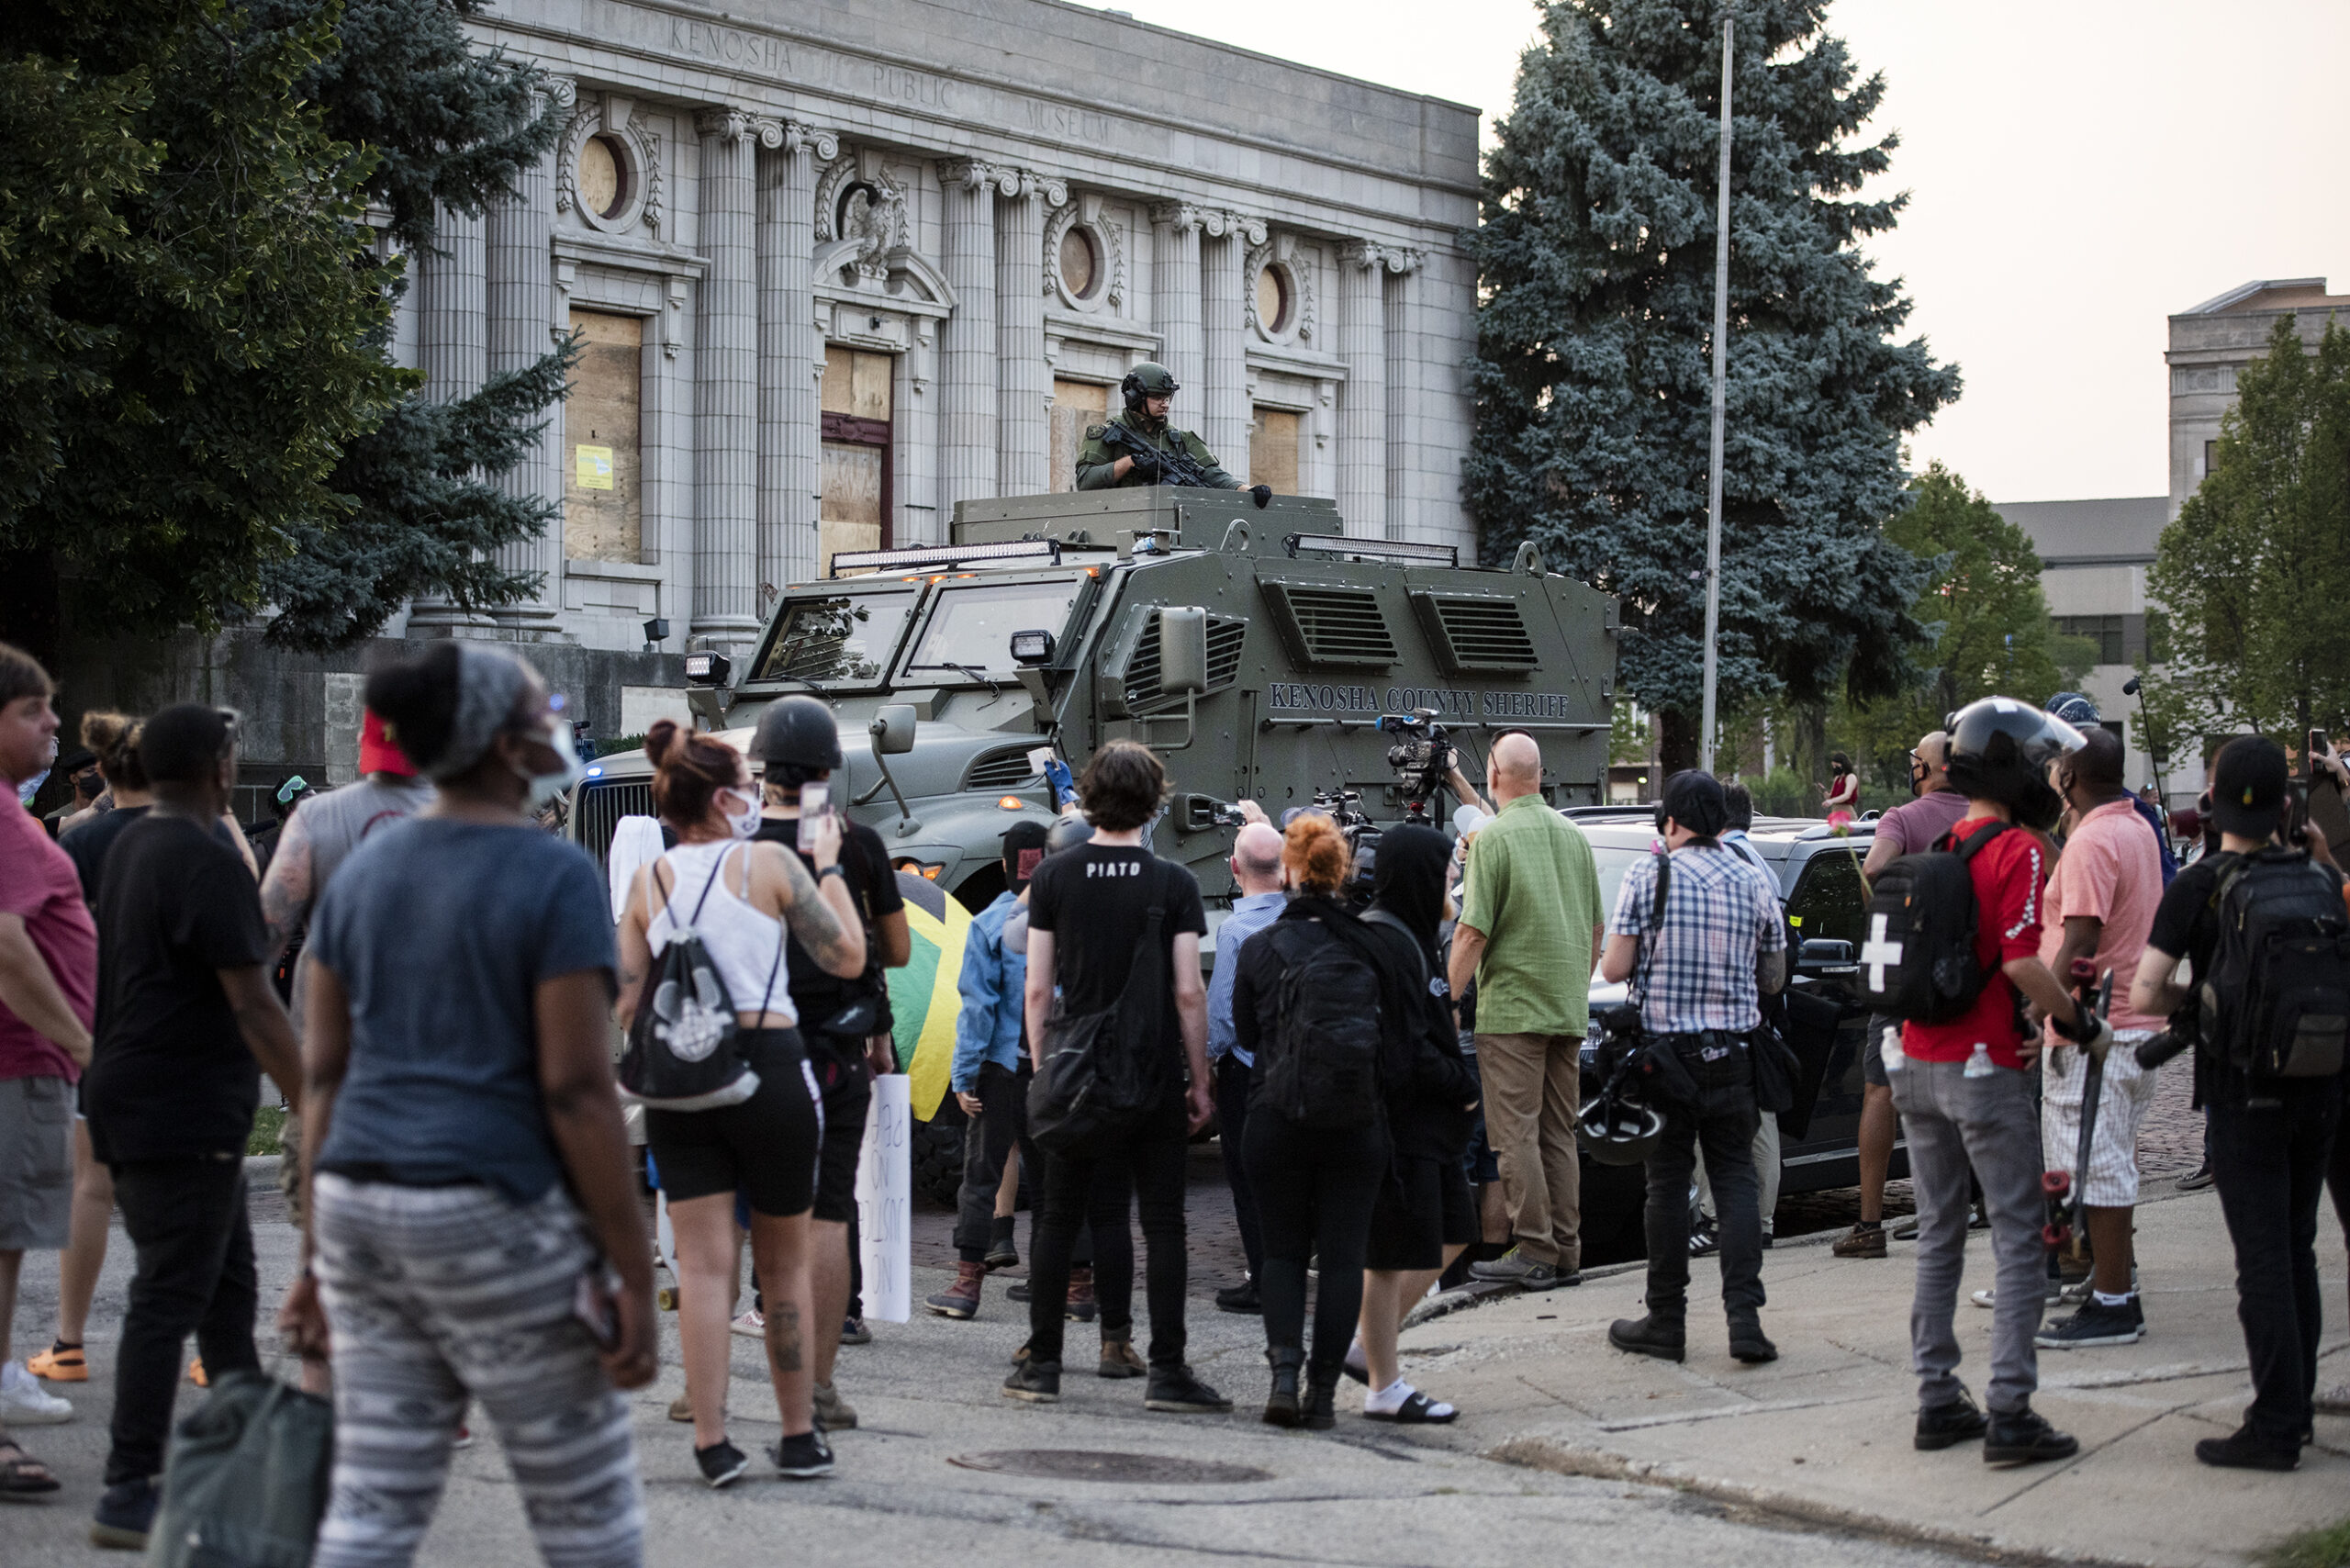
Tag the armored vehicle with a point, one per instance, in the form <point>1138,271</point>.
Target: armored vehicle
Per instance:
<point>1260,652</point>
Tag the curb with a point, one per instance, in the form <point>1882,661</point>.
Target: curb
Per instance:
<point>1789,1509</point>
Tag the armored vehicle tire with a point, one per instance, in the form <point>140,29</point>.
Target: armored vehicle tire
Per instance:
<point>938,1159</point>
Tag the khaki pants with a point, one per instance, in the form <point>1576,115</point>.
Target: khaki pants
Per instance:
<point>1529,1083</point>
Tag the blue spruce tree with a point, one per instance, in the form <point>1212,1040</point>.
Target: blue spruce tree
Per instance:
<point>1592,379</point>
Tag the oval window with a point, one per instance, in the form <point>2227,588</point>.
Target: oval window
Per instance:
<point>603,177</point>
<point>1079,265</point>
<point>1272,300</point>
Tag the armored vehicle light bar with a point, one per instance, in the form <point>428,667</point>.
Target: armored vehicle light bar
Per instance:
<point>923,557</point>
<point>1444,556</point>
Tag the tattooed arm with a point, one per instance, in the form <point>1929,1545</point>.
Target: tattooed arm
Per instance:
<point>819,910</point>
<point>285,890</point>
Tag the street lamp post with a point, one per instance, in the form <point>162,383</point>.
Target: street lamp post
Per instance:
<point>1722,365</point>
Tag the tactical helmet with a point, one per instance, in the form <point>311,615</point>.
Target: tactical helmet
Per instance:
<point>1067,832</point>
<point>1615,1129</point>
<point>1147,380</point>
<point>796,739</point>
<point>2000,749</point>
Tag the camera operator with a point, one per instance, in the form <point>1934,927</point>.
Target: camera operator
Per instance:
<point>2269,1136</point>
<point>1700,957</point>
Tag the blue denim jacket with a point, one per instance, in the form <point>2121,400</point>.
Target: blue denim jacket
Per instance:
<point>992,985</point>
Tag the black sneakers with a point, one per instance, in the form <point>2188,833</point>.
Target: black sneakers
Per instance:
<point>1175,1391</point>
<point>1002,1253</point>
<point>722,1464</point>
<point>1241,1298</point>
<point>126,1513</point>
<point>803,1457</point>
<point>1947,1425</point>
<point>1038,1382</point>
<point>2024,1437</point>
<point>1647,1336</point>
<point>2242,1450</point>
<point>2095,1323</point>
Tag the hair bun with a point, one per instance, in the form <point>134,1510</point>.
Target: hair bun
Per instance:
<point>1316,853</point>
<point>660,741</point>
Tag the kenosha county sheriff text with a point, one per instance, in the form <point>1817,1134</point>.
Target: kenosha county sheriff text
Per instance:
<point>1447,701</point>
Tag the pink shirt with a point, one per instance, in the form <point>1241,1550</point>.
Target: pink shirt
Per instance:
<point>38,884</point>
<point>1913,825</point>
<point>2111,870</point>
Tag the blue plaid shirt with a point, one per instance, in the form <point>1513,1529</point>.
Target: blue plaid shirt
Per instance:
<point>1698,973</point>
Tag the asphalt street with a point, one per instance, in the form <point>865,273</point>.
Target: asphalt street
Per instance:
<point>907,1490</point>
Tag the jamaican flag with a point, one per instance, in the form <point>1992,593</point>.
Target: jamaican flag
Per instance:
<point>922,995</point>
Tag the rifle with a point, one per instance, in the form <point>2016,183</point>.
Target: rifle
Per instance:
<point>1175,465</point>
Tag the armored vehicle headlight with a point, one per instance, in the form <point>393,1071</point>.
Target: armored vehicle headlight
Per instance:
<point>708,669</point>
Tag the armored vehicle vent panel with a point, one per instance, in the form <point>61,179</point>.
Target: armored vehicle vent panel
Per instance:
<point>1227,635</point>
<point>1473,632</point>
<point>997,770</point>
<point>1331,625</point>
<point>601,807</point>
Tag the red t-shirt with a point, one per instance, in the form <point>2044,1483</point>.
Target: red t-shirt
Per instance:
<point>2008,873</point>
<point>38,884</point>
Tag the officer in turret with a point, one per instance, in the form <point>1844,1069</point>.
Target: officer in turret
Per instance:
<point>1139,447</point>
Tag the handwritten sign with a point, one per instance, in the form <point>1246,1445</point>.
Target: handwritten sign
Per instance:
<point>885,1187</point>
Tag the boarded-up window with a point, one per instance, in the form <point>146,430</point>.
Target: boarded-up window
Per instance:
<point>1272,450</point>
<point>1076,404</point>
<point>603,508</point>
<point>854,513</point>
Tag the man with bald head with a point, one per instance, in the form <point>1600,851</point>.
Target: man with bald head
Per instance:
<point>1257,873</point>
<point>1528,934</point>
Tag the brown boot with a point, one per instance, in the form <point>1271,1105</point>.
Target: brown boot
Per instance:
<point>1080,1306</point>
<point>1118,1358</point>
<point>961,1299</point>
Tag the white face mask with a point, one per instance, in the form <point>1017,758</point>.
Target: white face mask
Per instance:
<point>546,787</point>
<point>746,823</point>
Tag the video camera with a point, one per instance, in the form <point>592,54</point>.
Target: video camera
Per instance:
<point>1344,808</point>
<point>1422,756</point>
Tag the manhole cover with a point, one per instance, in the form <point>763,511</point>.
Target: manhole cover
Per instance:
<point>1081,1464</point>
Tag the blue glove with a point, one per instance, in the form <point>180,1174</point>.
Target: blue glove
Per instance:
<point>1063,782</point>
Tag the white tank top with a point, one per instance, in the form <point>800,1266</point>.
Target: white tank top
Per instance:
<point>742,943</point>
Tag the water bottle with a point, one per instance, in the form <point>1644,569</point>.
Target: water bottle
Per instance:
<point>1979,1064</point>
<point>1889,1049</point>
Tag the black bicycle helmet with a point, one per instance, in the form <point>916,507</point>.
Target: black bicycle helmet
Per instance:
<point>1615,1129</point>
<point>2000,749</point>
<point>1069,831</point>
<point>796,739</point>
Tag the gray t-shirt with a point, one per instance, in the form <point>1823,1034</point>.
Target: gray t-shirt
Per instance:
<point>334,825</point>
<point>440,931</point>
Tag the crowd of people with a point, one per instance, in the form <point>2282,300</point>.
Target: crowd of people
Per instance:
<point>1389,1046</point>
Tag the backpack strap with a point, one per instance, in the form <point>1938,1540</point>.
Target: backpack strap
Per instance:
<point>1966,848</point>
<point>1664,858</point>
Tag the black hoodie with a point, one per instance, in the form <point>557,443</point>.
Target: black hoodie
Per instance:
<point>1424,1113</point>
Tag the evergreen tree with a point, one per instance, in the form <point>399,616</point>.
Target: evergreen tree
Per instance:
<point>2255,573</point>
<point>1592,379</point>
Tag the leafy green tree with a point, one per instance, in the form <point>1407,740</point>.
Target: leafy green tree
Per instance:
<point>1592,376</point>
<point>1987,622</point>
<point>2255,573</point>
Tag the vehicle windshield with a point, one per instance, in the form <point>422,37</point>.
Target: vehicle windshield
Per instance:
<point>1612,864</point>
<point>971,628</point>
<point>843,640</point>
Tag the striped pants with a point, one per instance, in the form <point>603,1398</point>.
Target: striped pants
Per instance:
<point>437,1294</point>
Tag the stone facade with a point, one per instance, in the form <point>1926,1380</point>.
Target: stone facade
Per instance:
<point>2212,341</point>
<point>863,252</point>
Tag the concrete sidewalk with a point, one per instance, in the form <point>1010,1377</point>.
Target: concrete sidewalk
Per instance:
<point>1824,1433</point>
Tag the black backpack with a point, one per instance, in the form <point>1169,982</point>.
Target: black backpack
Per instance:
<point>1322,1061</point>
<point>1918,962</point>
<point>685,1047</point>
<point>1105,1071</point>
<point>2276,1003</point>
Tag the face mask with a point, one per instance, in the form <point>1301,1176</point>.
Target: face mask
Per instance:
<point>746,823</point>
<point>547,788</point>
<point>31,786</point>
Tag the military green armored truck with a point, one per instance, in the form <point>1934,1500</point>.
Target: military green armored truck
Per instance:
<point>1257,650</point>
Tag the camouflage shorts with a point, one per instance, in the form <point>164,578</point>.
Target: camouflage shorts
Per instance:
<point>289,1170</point>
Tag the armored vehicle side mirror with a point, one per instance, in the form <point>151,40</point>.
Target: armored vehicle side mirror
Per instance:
<point>1182,650</point>
<point>893,729</point>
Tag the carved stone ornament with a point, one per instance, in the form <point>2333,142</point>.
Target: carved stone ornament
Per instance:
<point>639,151</point>
<point>860,220</point>
<point>1281,251</point>
<point>1216,225</point>
<point>723,121</point>
<point>794,136</point>
<point>976,174</point>
<point>1397,259</point>
<point>1109,244</point>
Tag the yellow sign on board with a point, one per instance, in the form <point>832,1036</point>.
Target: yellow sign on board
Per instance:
<point>595,467</point>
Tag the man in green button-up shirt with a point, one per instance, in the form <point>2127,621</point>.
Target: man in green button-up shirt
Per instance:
<point>1528,935</point>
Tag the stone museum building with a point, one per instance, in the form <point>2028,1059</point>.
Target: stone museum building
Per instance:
<point>837,268</point>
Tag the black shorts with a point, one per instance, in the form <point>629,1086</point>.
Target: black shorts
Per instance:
<point>844,1084</point>
<point>1426,1208</point>
<point>1873,1050</point>
<point>764,1149</point>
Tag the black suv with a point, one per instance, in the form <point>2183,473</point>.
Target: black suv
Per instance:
<point>1818,871</point>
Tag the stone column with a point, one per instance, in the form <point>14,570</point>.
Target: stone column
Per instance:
<point>1362,401</point>
<point>1023,384</point>
<point>519,243</point>
<point>789,422</point>
<point>1399,337</point>
<point>726,387</point>
<point>1175,299</point>
<point>968,398</point>
<point>453,350</point>
<point>1224,415</point>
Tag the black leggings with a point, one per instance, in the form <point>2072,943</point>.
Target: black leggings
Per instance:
<point>1315,1192</point>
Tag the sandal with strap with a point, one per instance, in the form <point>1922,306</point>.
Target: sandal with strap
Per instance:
<point>22,1475</point>
<point>1418,1410</point>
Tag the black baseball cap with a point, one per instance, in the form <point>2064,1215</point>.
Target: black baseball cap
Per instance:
<point>1023,846</point>
<point>1694,798</point>
<point>2248,786</point>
